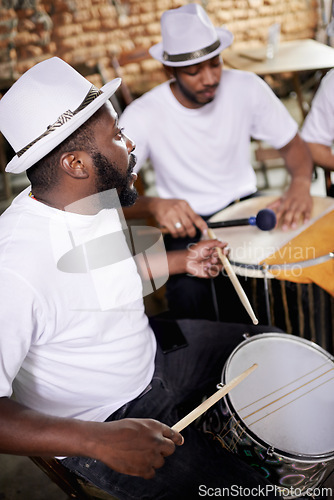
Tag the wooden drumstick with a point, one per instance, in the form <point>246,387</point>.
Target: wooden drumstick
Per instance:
<point>203,407</point>
<point>235,282</point>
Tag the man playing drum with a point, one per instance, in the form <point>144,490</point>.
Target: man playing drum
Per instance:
<point>196,130</point>
<point>91,385</point>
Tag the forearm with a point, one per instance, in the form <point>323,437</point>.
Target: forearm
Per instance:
<point>322,155</point>
<point>177,261</point>
<point>295,205</point>
<point>130,446</point>
<point>298,161</point>
<point>176,264</point>
<point>29,433</point>
<point>144,207</point>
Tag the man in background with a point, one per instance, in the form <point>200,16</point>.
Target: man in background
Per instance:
<point>196,130</point>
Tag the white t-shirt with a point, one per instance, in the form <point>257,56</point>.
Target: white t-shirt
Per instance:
<point>203,155</point>
<point>73,343</point>
<point>318,126</point>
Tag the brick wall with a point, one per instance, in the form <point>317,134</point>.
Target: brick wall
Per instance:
<point>84,32</point>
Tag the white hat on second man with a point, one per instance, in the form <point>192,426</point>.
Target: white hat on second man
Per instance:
<point>189,37</point>
<point>44,107</point>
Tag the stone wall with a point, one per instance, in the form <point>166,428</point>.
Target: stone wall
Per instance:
<point>84,32</point>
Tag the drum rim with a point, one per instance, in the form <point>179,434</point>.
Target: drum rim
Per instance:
<point>306,458</point>
<point>284,266</point>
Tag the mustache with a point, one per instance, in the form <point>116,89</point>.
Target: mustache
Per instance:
<point>208,87</point>
<point>132,163</point>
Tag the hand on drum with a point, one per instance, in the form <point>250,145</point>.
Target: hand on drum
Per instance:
<point>293,208</point>
<point>178,217</point>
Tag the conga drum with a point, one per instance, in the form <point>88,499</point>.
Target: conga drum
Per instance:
<point>288,276</point>
<point>280,418</point>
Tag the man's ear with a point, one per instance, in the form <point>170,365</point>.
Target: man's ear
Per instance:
<point>76,164</point>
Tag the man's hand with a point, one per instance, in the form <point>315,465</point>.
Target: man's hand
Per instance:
<point>200,259</point>
<point>131,446</point>
<point>295,206</point>
<point>177,216</point>
<point>135,446</point>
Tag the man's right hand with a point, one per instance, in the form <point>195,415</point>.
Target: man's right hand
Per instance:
<point>177,216</point>
<point>135,446</point>
<point>131,446</point>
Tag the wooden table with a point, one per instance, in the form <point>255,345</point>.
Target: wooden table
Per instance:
<point>292,57</point>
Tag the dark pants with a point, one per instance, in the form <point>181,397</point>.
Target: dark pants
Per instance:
<point>214,299</point>
<point>181,379</point>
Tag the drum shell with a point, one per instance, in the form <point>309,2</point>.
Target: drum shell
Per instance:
<point>275,467</point>
<point>291,471</point>
<point>303,309</point>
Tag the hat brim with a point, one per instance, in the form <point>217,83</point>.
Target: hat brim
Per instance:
<point>45,145</point>
<point>225,37</point>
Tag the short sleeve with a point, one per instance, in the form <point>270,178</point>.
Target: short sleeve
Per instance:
<point>318,126</point>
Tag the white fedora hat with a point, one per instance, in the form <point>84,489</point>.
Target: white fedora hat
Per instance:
<point>189,37</point>
<point>44,107</point>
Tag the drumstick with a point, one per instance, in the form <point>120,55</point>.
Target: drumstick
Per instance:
<point>197,412</point>
<point>235,282</point>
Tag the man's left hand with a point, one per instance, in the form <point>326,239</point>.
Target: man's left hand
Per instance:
<point>202,259</point>
<point>295,206</point>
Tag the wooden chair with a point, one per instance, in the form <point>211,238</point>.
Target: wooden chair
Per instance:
<point>136,55</point>
<point>267,158</point>
<point>72,485</point>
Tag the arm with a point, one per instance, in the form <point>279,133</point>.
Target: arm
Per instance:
<point>130,446</point>
<point>167,212</point>
<point>296,203</point>
<point>322,155</point>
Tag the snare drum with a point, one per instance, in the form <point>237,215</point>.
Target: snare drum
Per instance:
<point>288,276</point>
<point>280,418</point>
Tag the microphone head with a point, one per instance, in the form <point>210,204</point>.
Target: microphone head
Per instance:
<point>266,219</point>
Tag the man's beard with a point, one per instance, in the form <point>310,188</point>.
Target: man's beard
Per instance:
<point>108,176</point>
<point>191,96</point>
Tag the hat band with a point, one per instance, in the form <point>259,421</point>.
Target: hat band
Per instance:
<point>188,56</point>
<point>65,117</point>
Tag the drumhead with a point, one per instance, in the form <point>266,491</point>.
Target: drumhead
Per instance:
<point>249,246</point>
<point>288,402</point>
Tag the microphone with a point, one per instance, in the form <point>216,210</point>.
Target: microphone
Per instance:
<point>264,220</point>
